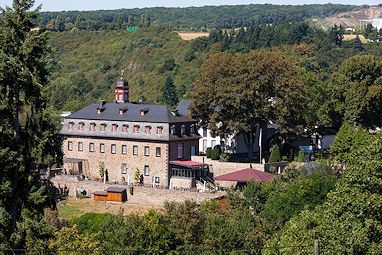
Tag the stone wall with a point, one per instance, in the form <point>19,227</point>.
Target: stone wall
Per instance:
<point>145,196</point>
<point>180,183</point>
<point>219,168</point>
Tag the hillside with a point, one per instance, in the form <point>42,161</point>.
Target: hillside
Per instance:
<point>350,18</point>
<point>88,62</point>
<point>190,18</point>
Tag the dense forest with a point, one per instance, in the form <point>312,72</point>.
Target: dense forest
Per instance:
<point>190,18</point>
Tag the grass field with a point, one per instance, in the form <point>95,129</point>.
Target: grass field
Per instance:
<point>352,37</point>
<point>71,208</point>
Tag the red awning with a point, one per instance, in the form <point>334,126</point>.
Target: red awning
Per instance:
<point>246,175</point>
<point>187,163</point>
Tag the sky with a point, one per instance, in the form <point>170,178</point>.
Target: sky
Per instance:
<point>66,5</point>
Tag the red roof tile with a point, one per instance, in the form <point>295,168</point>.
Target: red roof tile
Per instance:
<point>246,175</point>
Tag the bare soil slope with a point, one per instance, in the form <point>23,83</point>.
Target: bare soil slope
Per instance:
<point>350,19</point>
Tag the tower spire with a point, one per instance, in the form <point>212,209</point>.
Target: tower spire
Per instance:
<point>121,90</point>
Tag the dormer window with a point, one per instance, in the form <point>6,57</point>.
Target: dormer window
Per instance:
<point>192,129</point>
<point>103,127</point>
<point>159,130</point>
<point>92,126</point>
<point>114,127</point>
<point>125,128</point>
<point>144,111</point>
<point>81,126</point>
<point>122,110</point>
<point>148,129</point>
<point>173,130</point>
<point>70,126</point>
<point>183,130</point>
<point>136,129</point>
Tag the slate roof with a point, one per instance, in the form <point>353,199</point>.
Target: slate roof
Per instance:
<point>246,175</point>
<point>183,107</point>
<point>110,111</point>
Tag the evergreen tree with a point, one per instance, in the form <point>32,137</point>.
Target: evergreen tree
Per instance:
<point>358,44</point>
<point>169,95</point>
<point>275,154</point>
<point>28,134</point>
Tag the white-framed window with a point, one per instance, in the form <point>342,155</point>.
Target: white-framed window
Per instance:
<point>180,151</point>
<point>147,151</point>
<point>192,129</point>
<point>120,97</point>
<point>113,149</point>
<point>114,127</point>
<point>136,129</point>
<point>183,130</point>
<point>70,126</point>
<point>173,130</point>
<point>213,143</point>
<point>91,147</point>
<point>156,179</point>
<point>103,127</point>
<point>158,151</point>
<point>193,150</point>
<point>148,129</point>
<point>124,149</point>
<point>125,128</point>
<point>102,148</point>
<point>146,170</point>
<point>124,168</point>
<point>70,145</point>
<point>204,144</point>
<point>92,126</point>
<point>204,132</point>
<point>81,126</point>
<point>80,146</point>
<point>135,150</point>
<point>159,130</point>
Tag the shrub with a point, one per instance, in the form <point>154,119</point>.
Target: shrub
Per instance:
<point>224,157</point>
<point>209,152</point>
<point>275,154</point>
<point>215,155</point>
<point>301,156</point>
<point>91,222</point>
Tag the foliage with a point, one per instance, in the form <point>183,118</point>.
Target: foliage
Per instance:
<point>349,221</point>
<point>275,154</point>
<point>215,154</point>
<point>101,169</point>
<point>89,223</point>
<point>190,18</point>
<point>347,141</point>
<point>209,152</point>
<point>355,93</point>
<point>267,88</point>
<point>301,156</point>
<point>224,157</point>
<point>137,175</point>
<point>70,241</point>
<point>169,94</point>
<point>28,131</point>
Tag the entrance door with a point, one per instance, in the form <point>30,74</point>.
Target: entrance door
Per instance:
<point>80,172</point>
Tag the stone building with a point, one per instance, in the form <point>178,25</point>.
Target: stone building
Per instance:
<point>127,138</point>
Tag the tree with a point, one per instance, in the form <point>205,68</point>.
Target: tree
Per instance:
<point>358,44</point>
<point>169,94</point>
<point>348,139</point>
<point>354,94</point>
<point>69,241</point>
<point>349,222</point>
<point>169,64</point>
<point>24,136</point>
<point>236,92</point>
<point>275,154</point>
